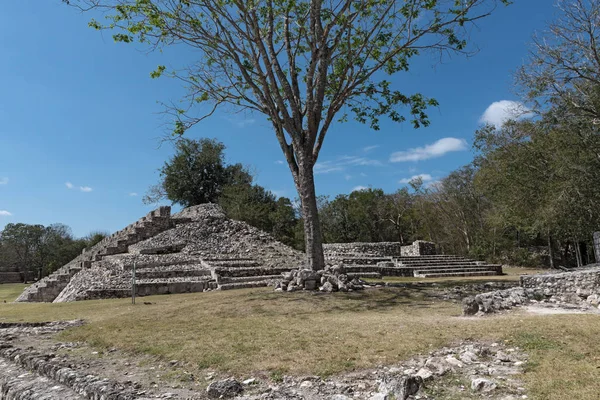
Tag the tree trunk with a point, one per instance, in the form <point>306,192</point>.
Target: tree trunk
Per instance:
<point>312,227</point>
<point>577,253</point>
<point>550,253</point>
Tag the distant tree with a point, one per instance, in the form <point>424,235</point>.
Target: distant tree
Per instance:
<point>26,241</point>
<point>95,237</point>
<point>564,66</point>
<point>302,63</point>
<point>196,174</point>
<point>284,221</point>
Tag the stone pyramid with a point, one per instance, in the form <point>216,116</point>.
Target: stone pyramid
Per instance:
<point>197,249</point>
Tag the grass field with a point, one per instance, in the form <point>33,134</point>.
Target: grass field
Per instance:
<point>243,331</point>
<point>9,292</point>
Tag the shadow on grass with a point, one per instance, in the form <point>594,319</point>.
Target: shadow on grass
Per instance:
<point>381,299</point>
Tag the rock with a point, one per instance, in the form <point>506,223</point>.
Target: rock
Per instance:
<point>503,357</point>
<point>468,357</point>
<point>327,287</point>
<point>437,365</point>
<point>451,360</point>
<point>249,381</point>
<point>224,389</point>
<point>340,397</point>
<point>482,385</point>
<point>410,386</point>
<point>401,388</point>
<point>425,374</point>
<point>470,306</point>
<point>380,396</point>
<point>310,284</point>
<point>593,299</point>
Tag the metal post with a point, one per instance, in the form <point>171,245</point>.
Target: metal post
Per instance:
<point>133,282</point>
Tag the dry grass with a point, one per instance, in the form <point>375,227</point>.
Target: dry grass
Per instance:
<point>10,291</point>
<point>257,330</point>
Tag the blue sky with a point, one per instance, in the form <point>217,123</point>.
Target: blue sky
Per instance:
<point>80,121</point>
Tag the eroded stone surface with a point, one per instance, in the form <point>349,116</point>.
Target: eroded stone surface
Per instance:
<point>580,289</point>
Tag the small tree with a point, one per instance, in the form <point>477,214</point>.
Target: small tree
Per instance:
<point>301,63</point>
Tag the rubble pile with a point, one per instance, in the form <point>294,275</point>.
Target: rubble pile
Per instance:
<point>332,279</point>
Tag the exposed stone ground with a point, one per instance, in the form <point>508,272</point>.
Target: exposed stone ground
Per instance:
<point>36,364</point>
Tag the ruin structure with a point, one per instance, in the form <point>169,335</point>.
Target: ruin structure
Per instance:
<point>200,249</point>
<point>10,274</point>
<point>195,250</point>
<point>420,259</point>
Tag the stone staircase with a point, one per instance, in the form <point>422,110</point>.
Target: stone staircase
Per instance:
<point>48,288</point>
<point>425,266</point>
<point>441,266</point>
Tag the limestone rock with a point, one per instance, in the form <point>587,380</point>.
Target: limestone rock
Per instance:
<point>482,385</point>
<point>224,389</point>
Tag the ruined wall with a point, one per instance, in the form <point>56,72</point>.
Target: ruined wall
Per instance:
<point>581,288</point>
<point>380,249</point>
<point>10,277</point>
<point>566,285</point>
<point>418,248</point>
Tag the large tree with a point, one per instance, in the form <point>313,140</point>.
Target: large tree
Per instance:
<point>301,63</point>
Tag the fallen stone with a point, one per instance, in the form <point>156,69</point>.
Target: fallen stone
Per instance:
<point>482,385</point>
<point>224,389</point>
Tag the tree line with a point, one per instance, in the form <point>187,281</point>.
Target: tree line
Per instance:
<point>36,251</point>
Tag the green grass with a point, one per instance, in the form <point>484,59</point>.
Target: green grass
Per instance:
<point>10,291</point>
<point>244,332</point>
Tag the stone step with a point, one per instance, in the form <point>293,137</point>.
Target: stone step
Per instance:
<point>254,271</point>
<point>242,279</point>
<point>244,285</point>
<point>232,263</point>
<point>439,262</point>
<point>442,266</point>
<point>457,274</point>
<point>373,275</point>
<point>450,270</point>
<point>155,273</point>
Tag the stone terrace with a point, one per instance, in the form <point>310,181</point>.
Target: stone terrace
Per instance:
<point>374,260</point>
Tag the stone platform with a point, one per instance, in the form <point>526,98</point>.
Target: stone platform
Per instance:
<point>375,260</point>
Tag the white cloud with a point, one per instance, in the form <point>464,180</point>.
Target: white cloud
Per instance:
<point>86,189</point>
<point>279,162</point>
<point>424,178</point>
<point>4,213</point>
<point>343,162</point>
<point>348,177</point>
<point>359,188</point>
<point>501,111</point>
<point>133,194</point>
<point>3,181</point>
<point>370,148</point>
<point>434,150</point>
<point>69,185</point>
